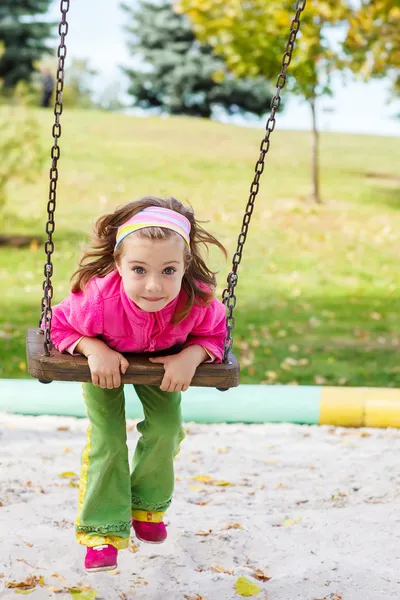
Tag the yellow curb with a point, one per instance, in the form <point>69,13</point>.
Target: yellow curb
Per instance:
<point>344,407</point>
<point>360,407</point>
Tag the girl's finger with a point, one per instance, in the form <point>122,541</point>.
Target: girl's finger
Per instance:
<point>102,382</point>
<point>95,379</point>
<point>110,382</point>
<point>165,384</point>
<point>116,380</point>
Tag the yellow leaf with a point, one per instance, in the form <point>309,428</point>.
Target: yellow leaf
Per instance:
<point>202,478</point>
<point>221,483</point>
<point>68,474</point>
<point>195,488</point>
<point>222,449</point>
<point>290,522</point>
<point>245,587</point>
<point>25,592</point>
<point>83,594</point>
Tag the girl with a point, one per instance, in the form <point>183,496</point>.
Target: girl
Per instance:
<point>142,287</point>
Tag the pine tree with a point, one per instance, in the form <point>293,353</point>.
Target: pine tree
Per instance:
<point>24,37</point>
<point>177,74</point>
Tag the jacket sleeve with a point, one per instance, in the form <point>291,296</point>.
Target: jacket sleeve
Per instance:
<point>79,314</point>
<point>210,330</point>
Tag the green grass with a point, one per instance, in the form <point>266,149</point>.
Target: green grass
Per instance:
<point>318,293</point>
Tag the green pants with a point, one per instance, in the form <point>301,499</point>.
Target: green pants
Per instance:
<point>108,490</point>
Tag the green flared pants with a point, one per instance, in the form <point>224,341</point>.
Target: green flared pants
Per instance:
<point>108,489</point>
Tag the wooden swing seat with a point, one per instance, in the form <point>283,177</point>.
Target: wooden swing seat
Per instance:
<point>65,367</point>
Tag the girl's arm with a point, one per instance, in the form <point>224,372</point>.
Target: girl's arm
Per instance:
<point>79,315</point>
<point>210,331</point>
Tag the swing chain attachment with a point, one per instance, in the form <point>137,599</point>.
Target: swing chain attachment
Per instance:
<point>46,313</point>
<point>228,295</point>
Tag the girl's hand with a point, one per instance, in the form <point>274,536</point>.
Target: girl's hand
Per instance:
<point>105,364</point>
<point>180,368</point>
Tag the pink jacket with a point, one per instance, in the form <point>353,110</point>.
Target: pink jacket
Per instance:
<point>104,310</point>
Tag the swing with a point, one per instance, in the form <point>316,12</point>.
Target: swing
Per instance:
<point>47,364</point>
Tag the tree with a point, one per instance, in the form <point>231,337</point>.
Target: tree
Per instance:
<point>373,40</point>
<point>179,75</point>
<point>24,38</point>
<point>252,37</point>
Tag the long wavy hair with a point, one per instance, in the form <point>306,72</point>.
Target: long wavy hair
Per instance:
<point>99,258</point>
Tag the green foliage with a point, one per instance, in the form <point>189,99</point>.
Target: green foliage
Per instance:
<point>24,38</point>
<point>21,152</point>
<point>179,75</point>
<point>373,40</point>
<point>252,37</point>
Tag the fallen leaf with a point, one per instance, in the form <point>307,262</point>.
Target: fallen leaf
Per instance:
<point>204,533</point>
<point>68,474</point>
<point>28,584</point>
<point>87,594</point>
<point>260,575</point>
<point>290,522</point>
<point>219,569</point>
<point>196,597</point>
<point>245,587</point>
<point>375,316</point>
<point>195,488</point>
<point>63,428</point>
<point>223,449</point>
<point>133,548</point>
<point>202,478</point>
<point>232,526</point>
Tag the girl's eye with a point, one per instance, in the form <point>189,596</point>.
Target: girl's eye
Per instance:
<point>169,271</point>
<point>138,270</point>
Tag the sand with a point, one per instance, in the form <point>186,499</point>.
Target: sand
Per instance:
<point>313,511</point>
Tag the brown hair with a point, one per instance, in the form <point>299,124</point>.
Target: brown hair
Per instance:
<point>99,259</point>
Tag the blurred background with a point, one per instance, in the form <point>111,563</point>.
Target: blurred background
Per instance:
<point>170,98</point>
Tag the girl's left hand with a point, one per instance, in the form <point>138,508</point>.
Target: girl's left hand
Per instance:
<point>180,368</point>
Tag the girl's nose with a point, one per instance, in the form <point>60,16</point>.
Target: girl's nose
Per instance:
<point>153,284</point>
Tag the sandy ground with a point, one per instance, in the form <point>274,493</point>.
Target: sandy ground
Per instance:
<point>315,509</point>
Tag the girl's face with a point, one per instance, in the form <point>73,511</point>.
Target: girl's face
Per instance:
<point>152,270</point>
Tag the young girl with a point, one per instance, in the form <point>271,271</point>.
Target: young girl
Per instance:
<point>142,287</point>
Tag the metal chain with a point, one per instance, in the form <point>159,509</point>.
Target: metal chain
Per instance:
<point>46,315</point>
<point>228,295</point>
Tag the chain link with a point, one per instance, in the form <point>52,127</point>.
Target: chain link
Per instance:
<point>46,313</point>
<point>228,295</point>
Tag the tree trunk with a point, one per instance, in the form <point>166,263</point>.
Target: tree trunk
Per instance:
<point>316,198</point>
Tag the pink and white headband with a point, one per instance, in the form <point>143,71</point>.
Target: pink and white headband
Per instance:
<point>155,216</point>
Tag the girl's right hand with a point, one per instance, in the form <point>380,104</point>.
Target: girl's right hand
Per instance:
<point>106,367</point>
<point>105,364</point>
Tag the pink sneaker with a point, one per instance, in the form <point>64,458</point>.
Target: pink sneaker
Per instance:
<point>101,558</point>
<point>152,533</point>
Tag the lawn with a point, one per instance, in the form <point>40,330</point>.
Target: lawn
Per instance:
<point>318,293</point>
